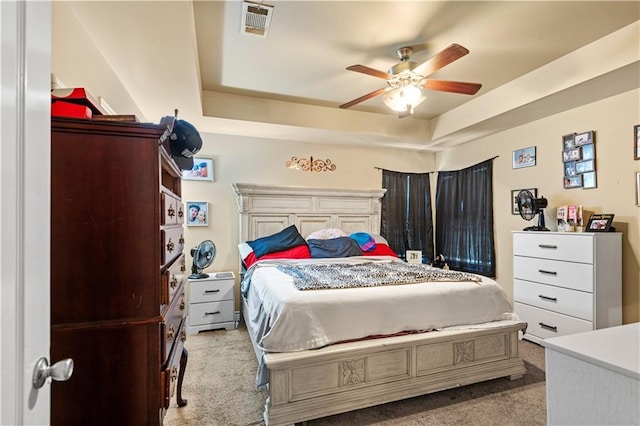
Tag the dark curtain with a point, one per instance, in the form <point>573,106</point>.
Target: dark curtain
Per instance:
<point>406,213</point>
<point>464,219</point>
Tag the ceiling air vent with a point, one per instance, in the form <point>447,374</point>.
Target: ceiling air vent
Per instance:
<point>256,19</point>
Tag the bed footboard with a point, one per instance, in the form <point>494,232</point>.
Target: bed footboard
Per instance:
<point>344,377</point>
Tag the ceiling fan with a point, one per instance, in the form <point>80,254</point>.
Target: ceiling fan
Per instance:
<point>406,79</point>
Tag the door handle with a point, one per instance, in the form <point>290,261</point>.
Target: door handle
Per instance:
<point>60,371</point>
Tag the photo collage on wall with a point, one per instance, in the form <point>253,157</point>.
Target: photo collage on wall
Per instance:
<point>579,160</point>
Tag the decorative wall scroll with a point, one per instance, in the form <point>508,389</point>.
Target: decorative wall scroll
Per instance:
<point>311,164</point>
<point>579,160</point>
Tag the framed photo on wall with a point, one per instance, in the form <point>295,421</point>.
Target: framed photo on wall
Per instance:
<point>197,213</point>
<point>202,170</point>
<point>525,157</point>
<point>636,144</point>
<point>584,138</point>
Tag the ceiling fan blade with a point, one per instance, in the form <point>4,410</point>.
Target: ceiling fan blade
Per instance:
<point>441,59</point>
<point>453,86</point>
<point>363,98</point>
<point>370,71</point>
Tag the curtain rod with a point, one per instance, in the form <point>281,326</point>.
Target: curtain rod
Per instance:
<point>435,171</point>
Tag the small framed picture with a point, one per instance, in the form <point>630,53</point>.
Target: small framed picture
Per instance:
<point>589,180</point>
<point>584,138</point>
<point>570,168</point>
<point>514,198</point>
<point>525,157</point>
<point>197,213</point>
<point>414,256</point>
<point>202,170</point>
<point>573,181</point>
<point>600,223</point>
<point>572,155</point>
<point>636,144</point>
<point>568,142</point>
<point>588,151</point>
<point>585,166</point>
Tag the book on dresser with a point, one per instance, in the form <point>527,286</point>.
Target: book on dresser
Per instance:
<point>567,282</point>
<point>117,273</point>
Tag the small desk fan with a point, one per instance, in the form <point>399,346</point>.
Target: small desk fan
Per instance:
<point>203,255</point>
<point>529,206</point>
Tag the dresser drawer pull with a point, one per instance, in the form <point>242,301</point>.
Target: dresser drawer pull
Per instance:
<point>174,282</point>
<point>183,336</point>
<point>212,313</point>
<point>212,291</point>
<point>550,246</point>
<point>170,246</point>
<point>542,271</point>
<point>172,332</point>
<point>171,212</point>
<point>551,299</point>
<point>182,305</point>
<point>548,327</point>
<point>180,213</point>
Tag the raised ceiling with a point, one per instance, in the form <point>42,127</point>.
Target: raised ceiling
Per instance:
<point>289,85</point>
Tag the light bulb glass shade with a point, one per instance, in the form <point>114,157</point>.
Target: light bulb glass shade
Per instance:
<point>398,98</point>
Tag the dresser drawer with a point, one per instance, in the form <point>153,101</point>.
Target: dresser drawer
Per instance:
<point>570,247</point>
<point>210,312</point>
<point>169,372</point>
<point>172,240</point>
<point>170,206</point>
<point>577,276</point>
<point>210,290</point>
<point>561,300</point>
<point>544,324</point>
<point>172,278</point>
<point>170,326</point>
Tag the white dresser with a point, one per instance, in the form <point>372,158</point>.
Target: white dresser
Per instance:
<point>211,303</point>
<point>566,282</point>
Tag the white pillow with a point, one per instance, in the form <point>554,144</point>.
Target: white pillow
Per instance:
<point>326,234</point>
<point>245,250</point>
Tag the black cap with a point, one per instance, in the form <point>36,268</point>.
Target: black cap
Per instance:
<point>185,142</point>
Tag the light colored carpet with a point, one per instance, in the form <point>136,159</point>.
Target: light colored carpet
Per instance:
<point>219,385</point>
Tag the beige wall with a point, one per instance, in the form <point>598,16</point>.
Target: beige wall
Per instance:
<point>612,120</point>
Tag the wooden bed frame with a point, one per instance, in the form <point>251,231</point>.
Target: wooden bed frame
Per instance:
<point>316,383</point>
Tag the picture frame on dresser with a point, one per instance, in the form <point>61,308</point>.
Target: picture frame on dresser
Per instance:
<point>600,222</point>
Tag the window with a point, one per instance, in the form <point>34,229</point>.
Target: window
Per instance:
<point>464,219</point>
<point>406,213</point>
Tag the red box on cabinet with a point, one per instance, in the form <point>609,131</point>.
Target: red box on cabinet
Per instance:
<point>66,109</point>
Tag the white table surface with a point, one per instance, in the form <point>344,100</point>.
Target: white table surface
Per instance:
<point>614,348</point>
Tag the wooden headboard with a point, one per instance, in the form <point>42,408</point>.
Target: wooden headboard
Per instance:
<point>267,209</point>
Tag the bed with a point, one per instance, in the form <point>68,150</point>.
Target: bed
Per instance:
<point>332,372</point>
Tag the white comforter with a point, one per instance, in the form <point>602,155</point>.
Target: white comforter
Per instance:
<point>286,319</point>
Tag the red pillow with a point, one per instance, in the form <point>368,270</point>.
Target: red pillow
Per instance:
<point>380,250</point>
<point>297,252</point>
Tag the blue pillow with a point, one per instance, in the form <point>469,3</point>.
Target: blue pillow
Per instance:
<point>334,247</point>
<point>286,239</point>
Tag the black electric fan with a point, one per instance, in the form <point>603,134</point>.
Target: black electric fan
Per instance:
<point>203,255</point>
<point>529,206</point>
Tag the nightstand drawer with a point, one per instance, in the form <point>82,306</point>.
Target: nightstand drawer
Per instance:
<point>209,290</point>
<point>570,247</point>
<point>544,324</point>
<point>210,313</point>
<point>561,300</point>
<point>577,276</point>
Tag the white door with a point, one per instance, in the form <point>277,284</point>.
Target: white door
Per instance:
<point>25,37</point>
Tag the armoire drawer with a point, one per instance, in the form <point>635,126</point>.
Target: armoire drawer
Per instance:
<point>544,324</point>
<point>570,247</point>
<point>172,278</point>
<point>172,240</point>
<point>561,300</point>
<point>172,318</point>
<point>170,371</point>
<point>210,313</point>
<point>577,276</point>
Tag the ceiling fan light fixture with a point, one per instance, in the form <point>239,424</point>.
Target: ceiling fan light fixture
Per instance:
<point>398,98</point>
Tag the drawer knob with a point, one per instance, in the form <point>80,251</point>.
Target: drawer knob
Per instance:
<point>174,374</point>
<point>551,299</point>
<point>180,213</point>
<point>171,212</point>
<point>542,271</point>
<point>548,327</point>
<point>212,291</point>
<point>174,281</point>
<point>172,332</point>
<point>212,313</point>
<point>182,305</point>
<point>170,246</point>
<point>181,240</point>
<point>549,246</point>
<point>183,336</point>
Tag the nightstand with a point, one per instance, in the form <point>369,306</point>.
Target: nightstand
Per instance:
<point>211,303</point>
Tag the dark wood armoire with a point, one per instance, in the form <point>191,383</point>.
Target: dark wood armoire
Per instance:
<point>117,272</point>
